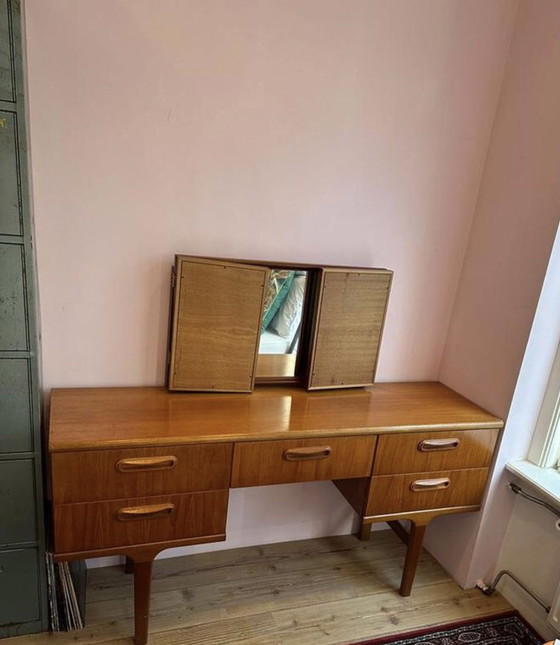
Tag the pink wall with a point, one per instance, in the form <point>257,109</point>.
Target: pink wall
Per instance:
<point>516,219</point>
<point>333,131</point>
<point>318,130</point>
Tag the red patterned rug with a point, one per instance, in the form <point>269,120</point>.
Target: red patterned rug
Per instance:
<point>502,629</point>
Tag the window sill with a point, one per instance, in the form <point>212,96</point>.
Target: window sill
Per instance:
<point>544,480</point>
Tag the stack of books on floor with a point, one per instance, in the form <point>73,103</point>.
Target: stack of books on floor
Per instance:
<point>67,592</point>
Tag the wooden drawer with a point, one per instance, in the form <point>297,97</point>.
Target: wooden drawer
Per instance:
<point>431,451</point>
<point>102,525</point>
<point>98,475</point>
<point>427,490</point>
<point>257,463</point>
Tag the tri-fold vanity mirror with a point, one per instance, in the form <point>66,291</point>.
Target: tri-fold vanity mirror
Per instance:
<point>235,323</point>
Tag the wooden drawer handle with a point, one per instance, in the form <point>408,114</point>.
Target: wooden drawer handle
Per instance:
<point>429,484</point>
<point>300,454</point>
<point>145,512</point>
<point>433,445</point>
<point>137,464</point>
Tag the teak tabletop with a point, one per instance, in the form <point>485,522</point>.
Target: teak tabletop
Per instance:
<point>93,418</point>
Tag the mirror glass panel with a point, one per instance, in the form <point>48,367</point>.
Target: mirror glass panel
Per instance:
<point>281,323</point>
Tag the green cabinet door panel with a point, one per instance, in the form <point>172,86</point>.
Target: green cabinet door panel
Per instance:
<point>9,168</point>
<point>17,501</point>
<point>13,327</point>
<point>23,597</point>
<point>6,79</point>
<point>19,587</point>
<point>15,406</point>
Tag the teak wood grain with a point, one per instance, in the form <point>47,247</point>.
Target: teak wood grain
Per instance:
<point>413,453</point>
<point>395,494</point>
<point>414,545</point>
<point>102,418</point>
<point>258,463</point>
<point>339,332</point>
<point>131,444</point>
<point>276,366</point>
<point>350,317</point>
<point>216,322</point>
<point>99,525</point>
<point>355,491</point>
<point>97,475</point>
<point>138,552</point>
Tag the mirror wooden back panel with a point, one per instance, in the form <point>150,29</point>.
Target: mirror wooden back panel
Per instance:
<point>216,323</point>
<point>217,316</point>
<point>348,330</point>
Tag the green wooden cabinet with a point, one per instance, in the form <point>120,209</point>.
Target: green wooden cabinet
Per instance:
<point>23,598</point>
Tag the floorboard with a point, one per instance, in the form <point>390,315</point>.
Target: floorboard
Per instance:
<point>327,591</point>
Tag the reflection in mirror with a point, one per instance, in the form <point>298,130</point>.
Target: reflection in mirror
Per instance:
<point>281,323</point>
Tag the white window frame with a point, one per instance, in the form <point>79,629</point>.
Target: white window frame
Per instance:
<point>541,467</point>
<point>545,446</point>
<point>536,402</point>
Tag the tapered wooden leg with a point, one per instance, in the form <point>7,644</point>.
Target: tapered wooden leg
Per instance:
<point>414,545</point>
<point>365,532</point>
<point>142,585</point>
<point>129,565</point>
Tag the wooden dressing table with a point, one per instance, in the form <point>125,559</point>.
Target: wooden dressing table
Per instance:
<point>135,471</point>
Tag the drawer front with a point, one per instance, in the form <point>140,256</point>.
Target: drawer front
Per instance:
<point>431,451</point>
<point>102,525</point>
<point>428,490</point>
<point>98,475</point>
<point>258,463</point>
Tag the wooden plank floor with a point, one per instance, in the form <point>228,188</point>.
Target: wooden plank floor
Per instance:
<point>323,592</point>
